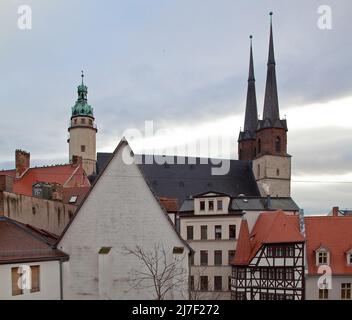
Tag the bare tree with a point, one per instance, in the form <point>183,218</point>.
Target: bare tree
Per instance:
<point>163,272</point>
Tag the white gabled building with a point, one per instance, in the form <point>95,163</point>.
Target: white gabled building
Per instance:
<point>120,213</point>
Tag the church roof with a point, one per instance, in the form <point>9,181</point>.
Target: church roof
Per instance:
<point>251,115</point>
<point>194,177</point>
<point>271,115</point>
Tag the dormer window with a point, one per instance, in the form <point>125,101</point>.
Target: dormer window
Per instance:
<point>219,205</point>
<point>202,205</point>
<point>322,256</point>
<point>349,257</point>
<point>211,205</point>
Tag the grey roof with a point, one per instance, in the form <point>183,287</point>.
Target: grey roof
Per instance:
<point>261,203</point>
<point>194,177</point>
<point>251,204</point>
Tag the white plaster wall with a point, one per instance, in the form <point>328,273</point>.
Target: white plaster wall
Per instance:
<point>49,282</point>
<point>312,291</point>
<point>120,211</point>
<point>50,215</point>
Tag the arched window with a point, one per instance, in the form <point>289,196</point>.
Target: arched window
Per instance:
<point>259,146</point>
<point>278,144</point>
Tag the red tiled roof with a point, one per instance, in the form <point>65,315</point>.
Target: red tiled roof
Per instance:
<point>20,243</point>
<point>333,233</point>
<point>243,250</point>
<point>67,175</point>
<point>169,204</point>
<point>270,227</point>
<point>79,192</point>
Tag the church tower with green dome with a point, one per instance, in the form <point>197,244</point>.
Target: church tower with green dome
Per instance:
<point>82,131</point>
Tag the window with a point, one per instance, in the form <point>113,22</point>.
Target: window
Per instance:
<point>73,199</point>
<point>16,291</point>
<point>218,232</point>
<point>290,251</point>
<point>264,273</point>
<point>83,120</point>
<point>240,296</point>
<point>271,274</point>
<point>322,257</point>
<point>218,257</point>
<point>83,148</point>
<point>349,258</point>
<point>211,205</point>
<point>231,255</point>
<point>35,278</point>
<point>204,257</point>
<point>204,283</point>
<point>232,231</point>
<point>323,294</point>
<point>33,210</point>
<point>269,252</point>
<point>345,291</point>
<point>191,283</point>
<point>75,121</point>
<point>279,273</point>
<point>189,232</point>
<point>229,283</point>
<point>202,205</point>
<point>241,273</point>
<point>204,232</point>
<point>277,172</point>
<point>91,122</point>
<point>278,144</point>
<point>219,205</point>
<point>289,274</point>
<point>279,252</point>
<point>259,146</point>
<point>217,283</point>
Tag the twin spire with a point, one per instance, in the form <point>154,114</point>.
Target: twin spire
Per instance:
<point>271,115</point>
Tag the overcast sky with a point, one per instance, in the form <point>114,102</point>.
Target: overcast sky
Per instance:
<point>182,64</point>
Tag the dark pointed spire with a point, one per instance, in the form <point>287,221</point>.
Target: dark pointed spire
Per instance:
<point>82,76</point>
<point>271,102</point>
<point>251,117</point>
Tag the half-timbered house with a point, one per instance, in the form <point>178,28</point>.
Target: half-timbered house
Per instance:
<point>269,261</point>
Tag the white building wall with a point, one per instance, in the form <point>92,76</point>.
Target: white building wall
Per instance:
<point>312,290</point>
<point>120,212</point>
<point>49,282</point>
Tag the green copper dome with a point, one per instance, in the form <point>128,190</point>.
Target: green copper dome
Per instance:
<point>81,107</point>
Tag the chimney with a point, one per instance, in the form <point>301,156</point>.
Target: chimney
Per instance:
<point>335,211</point>
<point>76,160</point>
<point>22,162</point>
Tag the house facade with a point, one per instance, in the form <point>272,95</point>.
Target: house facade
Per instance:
<point>120,220</point>
<point>210,223</point>
<point>29,266</point>
<point>329,257</point>
<point>269,261</point>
